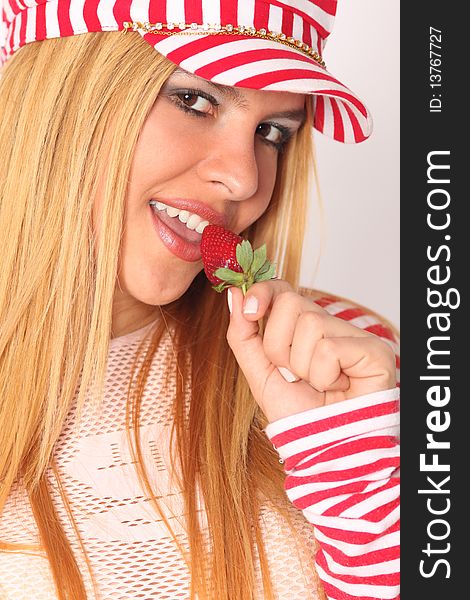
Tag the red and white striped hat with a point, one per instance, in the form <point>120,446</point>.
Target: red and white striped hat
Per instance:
<point>260,44</point>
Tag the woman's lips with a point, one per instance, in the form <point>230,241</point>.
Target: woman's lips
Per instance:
<point>181,241</point>
<point>190,235</point>
<point>195,206</point>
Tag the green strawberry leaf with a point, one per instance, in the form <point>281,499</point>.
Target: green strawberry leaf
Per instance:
<point>229,276</point>
<point>259,258</point>
<point>269,274</point>
<point>244,255</point>
<point>254,264</point>
<point>263,269</point>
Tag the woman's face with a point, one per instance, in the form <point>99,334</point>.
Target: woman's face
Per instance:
<point>208,150</point>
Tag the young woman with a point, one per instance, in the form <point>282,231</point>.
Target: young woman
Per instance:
<point>155,444</point>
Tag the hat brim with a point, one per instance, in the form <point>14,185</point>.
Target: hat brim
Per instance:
<point>265,64</point>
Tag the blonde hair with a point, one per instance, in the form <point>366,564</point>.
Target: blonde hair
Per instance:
<point>67,104</point>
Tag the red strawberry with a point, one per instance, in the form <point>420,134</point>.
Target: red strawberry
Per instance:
<point>218,250</point>
<point>229,260</point>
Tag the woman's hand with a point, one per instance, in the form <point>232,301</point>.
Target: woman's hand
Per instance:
<point>331,359</point>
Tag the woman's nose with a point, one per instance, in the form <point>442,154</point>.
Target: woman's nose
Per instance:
<point>231,163</point>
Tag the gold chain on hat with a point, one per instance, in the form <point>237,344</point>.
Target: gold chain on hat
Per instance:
<point>195,28</point>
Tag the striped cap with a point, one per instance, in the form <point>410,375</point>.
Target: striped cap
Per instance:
<point>260,44</point>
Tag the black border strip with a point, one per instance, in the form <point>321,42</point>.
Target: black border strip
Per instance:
<point>434,269</point>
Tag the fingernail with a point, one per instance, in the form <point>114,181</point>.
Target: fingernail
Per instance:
<point>251,305</point>
<point>229,299</point>
<point>288,375</point>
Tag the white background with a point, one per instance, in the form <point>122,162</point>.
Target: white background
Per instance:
<point>359,183</point>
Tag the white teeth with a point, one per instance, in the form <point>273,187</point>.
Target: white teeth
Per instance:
<point>184,216</point>
<point>200,228</point>
<point>193,221</point>
<point>173,212</point>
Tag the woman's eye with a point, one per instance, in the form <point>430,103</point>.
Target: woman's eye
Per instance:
<point>199,104</point>
<point>195,102</point>
<point>271,133</point>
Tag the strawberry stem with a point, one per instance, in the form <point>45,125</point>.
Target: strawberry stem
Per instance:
<point>251,267</point>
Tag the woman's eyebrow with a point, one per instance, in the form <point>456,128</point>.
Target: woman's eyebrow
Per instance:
<point>292,115</point>
<point>237,97</point>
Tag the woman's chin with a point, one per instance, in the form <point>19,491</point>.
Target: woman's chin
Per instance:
<point>159,293</point>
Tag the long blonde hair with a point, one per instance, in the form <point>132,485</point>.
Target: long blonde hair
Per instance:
<point>66,105</point>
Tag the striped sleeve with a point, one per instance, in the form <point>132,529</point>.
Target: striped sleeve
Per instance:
<point>342,463</point>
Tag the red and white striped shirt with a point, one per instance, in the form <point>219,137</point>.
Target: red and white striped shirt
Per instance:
<point>340,461</point>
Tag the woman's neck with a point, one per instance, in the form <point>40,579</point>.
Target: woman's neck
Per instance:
<point>129,314</point>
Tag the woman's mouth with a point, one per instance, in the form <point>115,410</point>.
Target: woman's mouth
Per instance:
<point>180,230</point>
